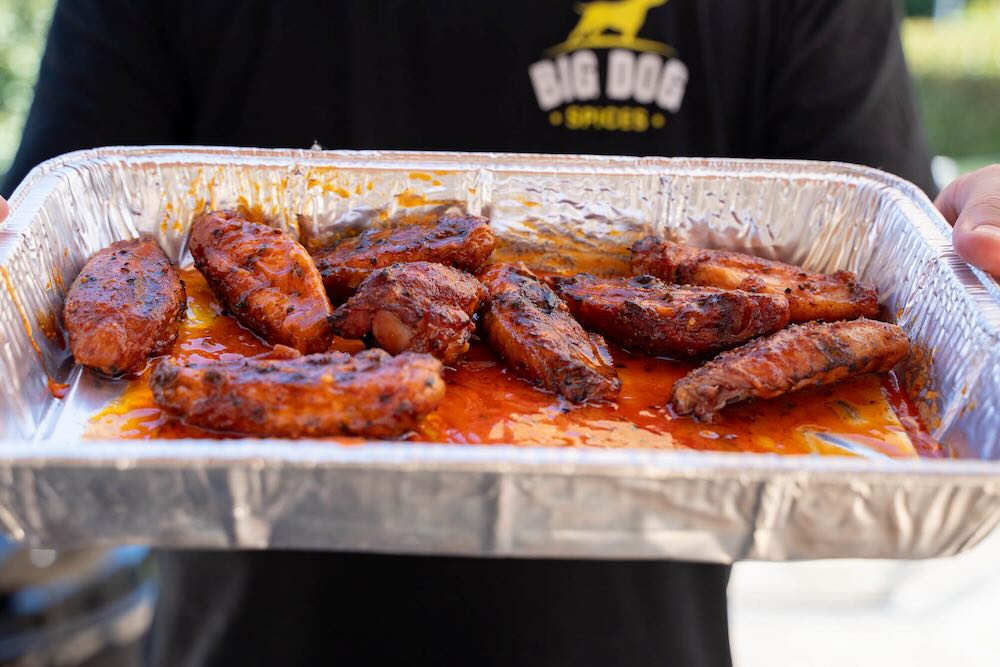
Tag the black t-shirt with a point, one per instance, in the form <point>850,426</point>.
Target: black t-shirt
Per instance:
<point>821,79</point>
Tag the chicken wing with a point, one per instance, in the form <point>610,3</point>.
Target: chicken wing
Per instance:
<point>811,296</point>
<point>125,306</point>
<point>796,357</point>
<point>267,280</point>
<point>646,315</point>
<point>369,394</point>
<point>416,307</point>
<point>532,329</point>
<point>462,241</point>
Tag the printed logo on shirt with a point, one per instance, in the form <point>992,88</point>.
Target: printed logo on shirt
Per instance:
<point>643,80</point>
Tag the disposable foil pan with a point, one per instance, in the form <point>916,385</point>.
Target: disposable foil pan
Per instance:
<point>57,489</point>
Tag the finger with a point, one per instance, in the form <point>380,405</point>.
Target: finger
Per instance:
<point>946,201</point>
<point>977,230</point>
<point>4,209</point>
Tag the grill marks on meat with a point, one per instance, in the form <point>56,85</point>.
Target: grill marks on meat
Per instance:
<point>125,306</point>
<point>416,307</point>
<point>646,315</point>
<point>532,329</point>
<point>811,296</point>
<point>369,394</point>
<point>267,280</point>
<point>796,357</point>
<point>461,241</point>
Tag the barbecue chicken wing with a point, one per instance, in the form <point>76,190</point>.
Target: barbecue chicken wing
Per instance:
<point>811,296</point>
<point>646,315</point>
<point>125,306</point>
<point>416,307</point>
<point>461,241</point>
<point>267,280</point>
<point>796,357</point>
<point>532,329</point>
<point>369,394</point>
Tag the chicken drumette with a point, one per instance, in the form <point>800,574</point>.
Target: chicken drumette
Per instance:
<point>416,307</point>
<point>267,280</point>
<point>646,315</point>
<point>461,241</point>
<point>124,307</point>
<point>796,357</point>
<point>811,296</point>
<point>532,329</point>
<point>369,394</point>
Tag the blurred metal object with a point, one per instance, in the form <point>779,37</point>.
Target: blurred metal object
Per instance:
<point>583,212</point>
<point>75,608</point>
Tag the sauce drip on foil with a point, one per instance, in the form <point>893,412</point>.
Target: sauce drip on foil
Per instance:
<point>484,404</point>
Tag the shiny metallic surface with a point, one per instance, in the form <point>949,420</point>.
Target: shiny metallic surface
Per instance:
<point>58,489</point>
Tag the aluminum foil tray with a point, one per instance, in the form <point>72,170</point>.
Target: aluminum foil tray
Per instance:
<point>58,489</point>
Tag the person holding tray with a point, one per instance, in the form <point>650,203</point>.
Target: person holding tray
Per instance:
<point>763,78</point>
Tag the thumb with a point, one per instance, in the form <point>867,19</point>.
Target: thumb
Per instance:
<point>972,204</point>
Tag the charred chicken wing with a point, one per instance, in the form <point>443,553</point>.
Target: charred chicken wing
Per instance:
<point>416,307</point>
<point>461,241</point>
<point>811,296</point>
<point>124,307</point>
<point>532,329</point>
<point>369,394</point>
<point>796,357</point>
<point>267,280</point>
<point>646,315</point>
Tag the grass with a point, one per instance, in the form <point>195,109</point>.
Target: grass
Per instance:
<point>956,69</point>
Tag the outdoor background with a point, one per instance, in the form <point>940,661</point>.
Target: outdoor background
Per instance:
<point>953,48</point>
<point>827,613</point>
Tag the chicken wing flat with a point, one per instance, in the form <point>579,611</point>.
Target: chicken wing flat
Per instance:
<point>811,296</point>
<point>461,241</point>
<point>369,394</point>
<point>796,357</point>
<point>125,306</point>
<point>532,329</point>
<point>646,315</point>
<point>416,307</point>
<point>267,280</point>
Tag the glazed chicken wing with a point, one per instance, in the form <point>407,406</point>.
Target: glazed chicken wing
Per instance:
<point>461,241</point>
<point>532,329</point>
<point>811,296</point>
<point>267,280</point>
<point>125,306</point>
<point>369,394</point>
<point>646,315</point>
<point>796,357</point>
<point>416,307</point>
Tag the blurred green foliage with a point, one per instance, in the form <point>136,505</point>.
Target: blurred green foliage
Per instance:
<point>956,67</point>
<point>919,7</point>
<point>955,62</point>
<point>23,25</point>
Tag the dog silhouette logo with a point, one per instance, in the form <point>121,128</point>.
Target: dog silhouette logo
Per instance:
<point>605,77</point>
<point>608,24</point>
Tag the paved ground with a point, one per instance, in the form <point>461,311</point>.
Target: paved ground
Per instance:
<point>859,613</point>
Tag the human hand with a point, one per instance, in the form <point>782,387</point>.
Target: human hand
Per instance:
<point>971,204</point>
<point>4,209</point>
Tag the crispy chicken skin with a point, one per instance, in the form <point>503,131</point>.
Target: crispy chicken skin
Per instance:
<point>532,329</point>
<point>266,279</point>
<point>125,306</point>
<point>811,296</point>
<point>461,241</point>
<point>415,307</point>
<point>796,357</point>
<point>646,315</point>
<point>369,394</point>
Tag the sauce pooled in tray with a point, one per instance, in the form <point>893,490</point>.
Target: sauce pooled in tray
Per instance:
<point>486,404</point>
